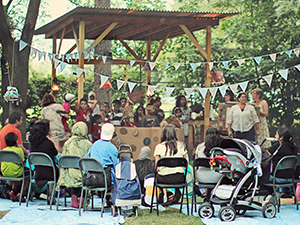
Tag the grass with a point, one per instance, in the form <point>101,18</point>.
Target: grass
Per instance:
<point>169,216</point>
<point>3,213</point>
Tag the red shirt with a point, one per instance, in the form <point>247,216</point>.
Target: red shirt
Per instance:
<point>134,125</point>
<point>96,130</point>
<point>85,117</point>
<point>9,128</point>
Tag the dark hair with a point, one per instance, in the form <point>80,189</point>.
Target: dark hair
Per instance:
<point>95,118</point>
<point>11,139</point>
<point>240,95</point>
<point>123,98</point>
<point>154,99</point>
<point>286,136</point>
<point>212,139</point>
<point>178,101</point>
<point>116,102</point>
<point>168,135</point>
<point>83,100</point>
<point>136,115</point>
<point>33,120</point>
<point>105,103</point>
<point>230,93</point>
<point>38,133</point>
<point>48,99</point>
<point>259,92</point>
<point>14,117</point>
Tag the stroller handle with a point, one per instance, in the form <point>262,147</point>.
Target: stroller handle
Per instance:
<point>125,152</point>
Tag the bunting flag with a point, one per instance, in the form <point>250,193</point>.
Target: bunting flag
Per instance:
<point>75,55</point>
<point>89,59</point>
<point>106,85</point>
<point>41,54</point>
<point>103,80</point>
<point>194,66</point>
<point>166,65</point>
<point>169,90</point>
<point>68,56</point>
<point>244,85</point>
<point>152,65</point>
<point>210,65</point>
<point>177,65</point>
<point>188,91</point>
<point>33,52</point>
<point>132,62</point>
<point>225,63</point>
<point>152,88</point>
<point>273,57</point>
<point>234,88</point>
<point>223,89</point>
<point>92,47</point>
<point>22,45</point>
<point>268,79</point>
<point>79,71</point>
<point>240,61</point>
<point>296,51</point>
<point>203,92</point>
<point>289,52</point>
<point>120,83</point>
<point>284,73</point>
<point>79,54</point>
<point>97,57</point>
<point>257,59</point>
<point>131,85</point>
<point>84,52</point>
<point>104,59</point>
<point>298,67</point>
<point>56,62</point>
<point>213,92</point>
<point>62,66</point>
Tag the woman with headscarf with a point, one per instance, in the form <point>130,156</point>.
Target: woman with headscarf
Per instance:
<point>77,145</point>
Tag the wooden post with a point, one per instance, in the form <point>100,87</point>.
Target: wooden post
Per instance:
<point>53,65</point>
<point>207,77</point>
<point>81,58</point>
<point>148,74</point>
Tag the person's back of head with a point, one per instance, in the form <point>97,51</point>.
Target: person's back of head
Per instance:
<point>14,117</point>
<point>11,139</point>
<point>286,136</point>
<point>48,99</point>
<point>39,133</point>
<point>212,139</point>
<point>169,136</point>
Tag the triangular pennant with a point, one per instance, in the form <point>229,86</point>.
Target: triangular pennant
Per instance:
<point>244,85</point>
<point>273,57</point>
<point>257,59</point>
<point>33,52</point>
<point>166,65</point>
<point>169,90</point>
<point>56,62</point>
<point>188,91</point>
<point>203,92</point>
<point>79,71</point>
<point>213,92</point>
<point>152,65</point>
<point>89,59</point>
<point>210,65</point>
<point>106,85</point>
<point>62,66</point>
<point>296,51</point>
<point>104,58</point>
<point>152,88</point>
<point>132,62</point>
<point>75,55</point>
<point>225,63</point>
<point>50,56</point>
<point>41,54</point>
<point>22,45</point>
<point>268,79</point>
<point>131,85</point>
<point>240,61</point>
<point>92,47</point>
<point>84,52</point>
<point>298,67</point>
<point>103,80</point>
<point>223,89</point>
<point>234,88</point>
<point>284,73</point>
<point>98,56</point>
<point>194,66</point>
<point>68,56</point>
<point>177,65</point>
<point>120,83</point>
<point>289,52</point>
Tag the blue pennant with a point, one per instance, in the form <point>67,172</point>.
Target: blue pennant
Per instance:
<point>289,52</point>
<point>194,66</point>
<point>166,65</point>
<point>257,59</point>
<point>225,63</point>
<point>89,59</point>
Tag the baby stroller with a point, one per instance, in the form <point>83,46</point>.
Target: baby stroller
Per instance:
<point>241,165</point>
<point>127,190</point>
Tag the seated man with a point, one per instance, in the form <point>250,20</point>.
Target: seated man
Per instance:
<point>9,169</point>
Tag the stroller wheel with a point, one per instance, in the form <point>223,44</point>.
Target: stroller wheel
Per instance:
<point>227,213</point>
<point>136,211</point>
<point>113,210</point>
<point>240,212</point>
<point>269,210</point>
<point>206,210</point>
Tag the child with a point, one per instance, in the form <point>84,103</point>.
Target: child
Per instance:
<point>130,121</point>
<point>68,97</point>
<point>84,113</point>
<point>9,169</point>
<point>179,115</point>
<point>150,111</point>
<point>116,115</point>
<point>97,122</point>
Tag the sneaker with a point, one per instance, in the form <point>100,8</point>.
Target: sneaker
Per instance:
<point>13,197</point>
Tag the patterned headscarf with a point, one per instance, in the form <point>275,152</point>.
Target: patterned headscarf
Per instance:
<point>79,129</point>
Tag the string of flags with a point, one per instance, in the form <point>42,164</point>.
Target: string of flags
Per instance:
<point>58,60</point>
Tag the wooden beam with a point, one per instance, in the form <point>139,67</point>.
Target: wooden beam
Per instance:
<point>160,48</point>
<point>148,74</point>
<point>195,42</point>
<point>75,35</point>
<point>100,38</point>
<point>61,40</point>
<point>81,59</point>
<point>59,27</point>
<point>98,61</point>
<point>71,49</point>
<point>130,50</point>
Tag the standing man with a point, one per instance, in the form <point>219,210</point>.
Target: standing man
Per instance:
<point>92,96</point>
<point>14,121</point>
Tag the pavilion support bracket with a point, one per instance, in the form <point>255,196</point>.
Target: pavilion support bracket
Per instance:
<point>103,35</point>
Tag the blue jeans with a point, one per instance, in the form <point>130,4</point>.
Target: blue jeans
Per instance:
<point>282,181</point>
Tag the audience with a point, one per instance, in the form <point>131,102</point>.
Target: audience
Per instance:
<point>106,110</point>
<point>97,122</point>
<point>150,120</point>
<point>116,115</point>
<point>92,97</point>
<point>129,121</point>
<point>139,114</point>
<point>84,113</point>
<point>159,113</point>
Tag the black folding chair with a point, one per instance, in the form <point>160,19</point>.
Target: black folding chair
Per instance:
<point>13,157</point>
<point>171,162</point>
<point>67,162</point>
<point>42,159</point>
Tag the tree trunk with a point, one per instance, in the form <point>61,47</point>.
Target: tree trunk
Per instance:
<point>4,104</point>
<point>103,95</point>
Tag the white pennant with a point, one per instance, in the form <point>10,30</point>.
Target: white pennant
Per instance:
<point>234,88</point>
<point>131,85</point>
<point>223,89</point>
<point>120,83</point>
<point>62,66</point>
<point>56,62</point>
<point>268,79</point>
<point>203,92</point>
<point>103,80</point>
<point>210,65</point>
<point>132,62</point>
<point>240,61</point>
<point>296,51</point>
<point>213,92</point>
<point>152,88</point>
<point>244,85</point>
<point>284,73</point>
<point>33,52</point>
<point>79,71</point>
<point>22,45</point>
<point>273,57</point>
<point>169,90</point>
<point>188,91</point>
<point>152,65</point>
<point>177,65</point>
<point>104,58</point>
<point>298,67</point>
<point>41,54</point>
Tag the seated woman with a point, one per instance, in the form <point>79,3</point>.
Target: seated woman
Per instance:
<point>170,147</point>
<point>40,143</point>
<point>77,145</point>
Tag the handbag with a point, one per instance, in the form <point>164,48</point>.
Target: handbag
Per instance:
<point>93,179</point>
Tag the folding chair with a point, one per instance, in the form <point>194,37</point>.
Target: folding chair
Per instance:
<point>286,163</point>
<point>66,162</point>
<point>171,162</point>
<point>87,165</point>
<point>13,157</point>
<point>42,159</point>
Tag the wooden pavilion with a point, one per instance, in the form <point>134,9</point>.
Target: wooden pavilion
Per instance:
<point>84,23</point>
